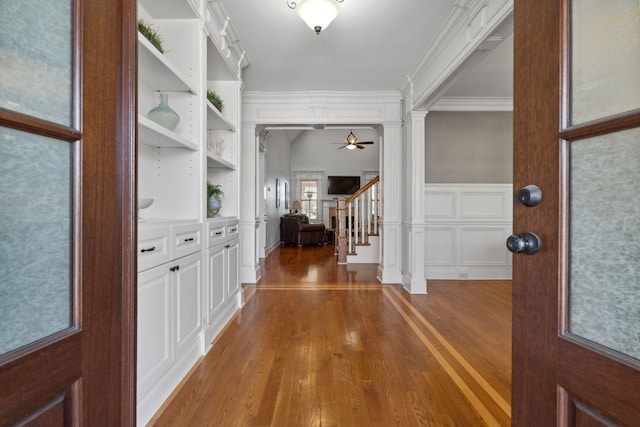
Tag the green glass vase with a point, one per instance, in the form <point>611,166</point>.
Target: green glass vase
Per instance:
<point>164,115</point>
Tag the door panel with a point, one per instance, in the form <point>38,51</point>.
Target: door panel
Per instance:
<point>576,137</point>
<point>67,252</point>
<point>36,225</point>
<point>36,46</point>
<point>604,231</point>
<point>604,58</point>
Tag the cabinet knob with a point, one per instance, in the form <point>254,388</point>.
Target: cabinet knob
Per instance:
<point>174,268</point>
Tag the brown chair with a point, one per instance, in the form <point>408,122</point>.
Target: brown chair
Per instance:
<point>296,230</point>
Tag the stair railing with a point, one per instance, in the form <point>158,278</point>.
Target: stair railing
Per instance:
<point>357,219</point>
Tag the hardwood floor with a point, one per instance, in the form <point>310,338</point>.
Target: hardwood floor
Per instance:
<point>318,344</point>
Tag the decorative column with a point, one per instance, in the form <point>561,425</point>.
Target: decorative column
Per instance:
<point>413,277</point>
<point>249,218</point>
<point>389,270</point>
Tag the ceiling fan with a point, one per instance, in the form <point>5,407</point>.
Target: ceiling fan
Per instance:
<point>351,142</point>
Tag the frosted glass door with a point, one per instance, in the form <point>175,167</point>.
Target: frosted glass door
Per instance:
<point>37,173</point>
<point>603,304</point>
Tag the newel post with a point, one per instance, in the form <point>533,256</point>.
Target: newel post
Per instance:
<point>341,239</point>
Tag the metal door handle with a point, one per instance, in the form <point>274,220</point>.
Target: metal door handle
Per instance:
<point>525,243</point>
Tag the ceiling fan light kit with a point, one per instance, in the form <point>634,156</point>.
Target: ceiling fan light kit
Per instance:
<point>317,14</point>
<point>352,143</point>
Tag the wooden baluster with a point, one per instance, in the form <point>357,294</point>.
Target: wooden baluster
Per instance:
<point>342,237</point>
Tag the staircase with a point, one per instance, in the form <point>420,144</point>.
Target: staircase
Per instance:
<point>357,235</point>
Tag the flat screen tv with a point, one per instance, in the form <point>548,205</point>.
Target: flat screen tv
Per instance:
<point>343,184</point>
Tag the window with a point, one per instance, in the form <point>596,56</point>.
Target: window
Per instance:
<point>309,198</point>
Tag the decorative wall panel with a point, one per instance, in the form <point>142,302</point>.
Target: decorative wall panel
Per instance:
<point>466,229</point>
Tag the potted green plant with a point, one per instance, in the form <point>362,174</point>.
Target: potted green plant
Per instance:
<point>214,197</point>
<point>215,99</point>
<point>150,34</point>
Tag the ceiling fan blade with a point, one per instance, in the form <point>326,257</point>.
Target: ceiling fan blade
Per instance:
<point>358,145</point>
<point>344,146</point>
<point>365,142</point>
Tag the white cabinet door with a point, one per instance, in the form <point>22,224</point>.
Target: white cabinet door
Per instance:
<point>216,281</point>
<point>154,325</point>
<point>233,267</point>
<point>186,276</point>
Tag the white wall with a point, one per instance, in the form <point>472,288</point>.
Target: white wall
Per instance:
<point>466,229</point>
<point>277,166</point>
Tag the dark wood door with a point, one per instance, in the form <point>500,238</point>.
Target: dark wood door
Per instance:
<point>67,132</point>
<point>577,137</point>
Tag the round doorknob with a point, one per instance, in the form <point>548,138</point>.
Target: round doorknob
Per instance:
<point>525,243</point>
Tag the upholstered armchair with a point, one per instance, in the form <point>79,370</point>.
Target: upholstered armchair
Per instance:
<point>296,230</point>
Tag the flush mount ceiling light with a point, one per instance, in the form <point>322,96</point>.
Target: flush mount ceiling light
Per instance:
<point>317,14</point>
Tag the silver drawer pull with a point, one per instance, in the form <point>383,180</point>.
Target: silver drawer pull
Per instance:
<point>151,249</point>
<point>190,239</point>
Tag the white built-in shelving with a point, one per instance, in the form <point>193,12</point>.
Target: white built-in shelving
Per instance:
<point>158,72</point>
<point>152,134</point>
<point>181,272</point>
<point>216,120</point>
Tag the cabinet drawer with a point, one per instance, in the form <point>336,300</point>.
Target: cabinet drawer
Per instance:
<point>217,233</point>
<point>153,247</point>
<point>186,240</point>
<point>233,230</point>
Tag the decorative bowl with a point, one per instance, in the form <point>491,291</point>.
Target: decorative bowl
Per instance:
<point>144,203</point>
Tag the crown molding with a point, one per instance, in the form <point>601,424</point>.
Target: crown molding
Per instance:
<point>473,104</point>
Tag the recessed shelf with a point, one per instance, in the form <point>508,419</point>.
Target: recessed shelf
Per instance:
<point>219,162</point>
<point>157,72</point>
<point>216,121</point>
<point>154,135</point>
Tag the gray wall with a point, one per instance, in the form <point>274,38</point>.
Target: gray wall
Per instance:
<point>277,165</point>
<point>469,147</point>
<point>318,151</point>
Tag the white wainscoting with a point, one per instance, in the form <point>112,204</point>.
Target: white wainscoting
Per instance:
<point>466,226</point>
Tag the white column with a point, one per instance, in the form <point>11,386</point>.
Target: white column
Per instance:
<point>249,217</point>
<point>389,270</point>
<point>413,277</point>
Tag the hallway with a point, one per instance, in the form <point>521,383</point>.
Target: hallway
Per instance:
<point>318,344</point>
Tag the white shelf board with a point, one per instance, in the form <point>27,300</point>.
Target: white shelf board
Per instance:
<point>172,9</point>
<point>157,71</point>
<point>216,121</point>
<point>152,134</point>
<point>220,162</point>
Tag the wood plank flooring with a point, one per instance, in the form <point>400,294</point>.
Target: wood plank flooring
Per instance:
<point>318,344</point>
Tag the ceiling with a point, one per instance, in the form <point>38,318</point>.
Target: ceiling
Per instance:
<point>371,45</point>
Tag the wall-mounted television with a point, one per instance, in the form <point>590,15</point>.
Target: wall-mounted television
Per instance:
<point>343,184</point>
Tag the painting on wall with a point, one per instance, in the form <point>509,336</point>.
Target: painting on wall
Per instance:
<point>286,195</point>
<point>277,193</point>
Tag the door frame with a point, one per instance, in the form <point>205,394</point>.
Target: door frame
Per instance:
<point>102,345</point>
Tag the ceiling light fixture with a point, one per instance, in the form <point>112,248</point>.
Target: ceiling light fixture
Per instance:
<point>317,14</point>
